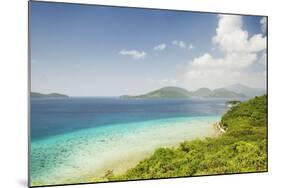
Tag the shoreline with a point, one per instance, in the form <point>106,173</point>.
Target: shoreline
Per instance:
<point>128,150</point>
<point>135,139</point>
<point>218,130</point>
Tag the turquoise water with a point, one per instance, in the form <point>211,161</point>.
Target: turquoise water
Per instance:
<point>79,155</point>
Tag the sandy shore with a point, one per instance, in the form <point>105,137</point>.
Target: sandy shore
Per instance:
<point>219,130</point>
<point>120,166</point>
<point>89,154</point>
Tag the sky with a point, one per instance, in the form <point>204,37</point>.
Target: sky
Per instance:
<point>82,50</point>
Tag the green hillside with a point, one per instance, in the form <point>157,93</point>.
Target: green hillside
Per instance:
<point>246,90</point>
<point>202,92</point>
<point>165,92</point>
<point>242,148</point>
<point>225,93</point>
<point>51,95</point>
<point>177,92</point>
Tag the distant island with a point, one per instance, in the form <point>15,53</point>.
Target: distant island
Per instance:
<point>232,91</point>
<point>246,90</point>
<point>37,95</point>
<point>165,92</point>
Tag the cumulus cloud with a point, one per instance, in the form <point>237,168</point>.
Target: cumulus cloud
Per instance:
<point>179,43</point>
<point>240,52</point>
<point>160,47</point>
<point>263,23</point>
<point>133,53</point>
<point>230,37</point>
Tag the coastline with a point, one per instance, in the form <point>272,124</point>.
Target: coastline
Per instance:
<point>218,130</point>
<point>242,149</point>
<point>169,159</point>
<point>139,144</point>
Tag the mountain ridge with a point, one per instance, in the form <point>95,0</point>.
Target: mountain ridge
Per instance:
<point>248,91</point>
<point>231,91</point>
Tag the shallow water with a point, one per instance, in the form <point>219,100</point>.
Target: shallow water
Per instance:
<point>115,143</point>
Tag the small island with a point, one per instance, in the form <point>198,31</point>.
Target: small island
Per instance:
<point>165,92</point>
<point>36,95</point>
<point>177,92</point>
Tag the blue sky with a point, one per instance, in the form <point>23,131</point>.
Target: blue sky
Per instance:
<point>105,51</point>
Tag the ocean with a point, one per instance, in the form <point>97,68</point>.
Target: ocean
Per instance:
<point>77,140</point>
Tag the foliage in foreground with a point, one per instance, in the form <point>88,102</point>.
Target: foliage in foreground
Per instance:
<point>241,149</point>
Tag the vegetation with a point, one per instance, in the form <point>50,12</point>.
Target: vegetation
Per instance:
<point>177,92</point>
<point>246,90</point>
<point>51,95</point>
<point>233,102</point>
<point>202,92</point>
<point>165,92</point>
<point>222,92</point>
<point>242,148</point>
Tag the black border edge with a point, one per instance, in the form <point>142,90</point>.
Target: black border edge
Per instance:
<point>144,8</point>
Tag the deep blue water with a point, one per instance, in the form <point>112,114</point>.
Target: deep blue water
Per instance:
<point>52,117</point>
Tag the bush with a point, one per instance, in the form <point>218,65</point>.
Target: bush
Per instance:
<point>241,149</point>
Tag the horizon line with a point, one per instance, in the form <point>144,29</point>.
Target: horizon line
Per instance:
<point>147,91</point>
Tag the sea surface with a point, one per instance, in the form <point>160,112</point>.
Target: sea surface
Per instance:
<point>77,140</point>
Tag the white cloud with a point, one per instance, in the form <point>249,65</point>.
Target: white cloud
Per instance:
<point>190,46</point>
<point>230,37</point>
<point>160,47</point>
<point>263,58</point>
<point>180,44</point>
<point>240,52</point>
<point>133,53</point>
<point>263,23</point>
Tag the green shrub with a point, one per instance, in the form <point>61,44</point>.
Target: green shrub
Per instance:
<point>241,149</point>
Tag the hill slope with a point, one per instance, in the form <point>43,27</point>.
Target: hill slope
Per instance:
<point>202,92</point>
<point>222,92</point>
<point>242,148</point>
<point>165,92</point>
<point>51,95</point>
<point>248,91</point>
<point>177,92</point>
